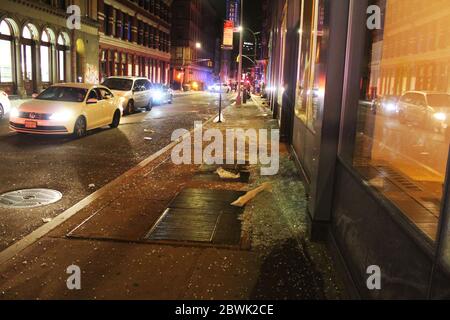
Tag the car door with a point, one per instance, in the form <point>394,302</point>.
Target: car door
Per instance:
<point>405,105</point>
<point>94,111</point>
<point>107,105</point>
<point>138,94</point>
<point>417,108</point>
<point>147,95</point>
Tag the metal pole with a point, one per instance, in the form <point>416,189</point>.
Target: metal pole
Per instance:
<point>241,42</point>
<point>220,102</point>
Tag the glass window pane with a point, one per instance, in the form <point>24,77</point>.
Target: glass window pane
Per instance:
<point>45,66</point>
<point>26,33</point>
<point>4,28</point>
<point>308,90</point>
<point>61,64</point>
<point>403,126</point>
<point>44,37</point>
<point>6,69</point>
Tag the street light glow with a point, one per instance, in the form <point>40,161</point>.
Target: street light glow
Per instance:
<point>198,45</point>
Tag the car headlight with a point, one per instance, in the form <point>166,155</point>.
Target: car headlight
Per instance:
<point>63,115</point>
<point>14,113</point>
<point>440,116</point>
<point>391,107</point>
<point>158,95</point>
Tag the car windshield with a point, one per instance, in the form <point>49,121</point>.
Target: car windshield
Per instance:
<point>439,100</point>
<point>118,84</point>
<point>67,94</point>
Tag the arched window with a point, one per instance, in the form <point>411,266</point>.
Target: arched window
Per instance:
<point>6,62</point>
<point>27,55</point>
<point>46,57</point>
<point>61,48</point>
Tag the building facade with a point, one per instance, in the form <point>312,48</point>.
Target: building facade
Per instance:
<point>194,42</point>
<point>38,49</point>
<point>377,181</point>
<point>135,38</point>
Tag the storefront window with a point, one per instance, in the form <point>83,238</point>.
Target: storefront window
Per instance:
<point>309,89</point>
<point>6,65</point>
<point>403,125</point>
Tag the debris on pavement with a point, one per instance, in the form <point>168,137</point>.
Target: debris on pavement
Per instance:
<point>46,220</point>
<point>242,201</point>
<point>224,174</point>
<point>148,138</point>
<point>91,186</point>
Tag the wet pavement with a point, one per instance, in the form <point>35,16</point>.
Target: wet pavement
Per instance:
<point>106,239</point>
<point>79,167</point>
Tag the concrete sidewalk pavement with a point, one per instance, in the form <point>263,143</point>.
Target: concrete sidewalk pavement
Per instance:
<point>105,238</point>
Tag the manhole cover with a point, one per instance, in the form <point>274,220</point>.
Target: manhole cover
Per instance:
<point>29,198</point>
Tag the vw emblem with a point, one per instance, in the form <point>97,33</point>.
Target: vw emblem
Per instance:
<point>32,115</point>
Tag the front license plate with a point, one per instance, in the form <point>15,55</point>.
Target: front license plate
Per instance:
<point>31,124</point>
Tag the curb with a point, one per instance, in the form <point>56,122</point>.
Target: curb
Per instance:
<point>40,232</point>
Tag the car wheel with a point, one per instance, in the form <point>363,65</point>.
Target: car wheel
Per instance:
<point>79,130</point>
<point>116,120</point>
<point>2,112</point>
<point>130,107</point>
<point>149,105</point>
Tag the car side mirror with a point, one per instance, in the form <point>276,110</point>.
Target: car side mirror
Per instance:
<point>92,101</point>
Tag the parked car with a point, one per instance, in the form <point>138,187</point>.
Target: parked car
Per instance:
<point>5,104</point>
<point>386,105</point>
<point>161,93</point>
<point>220,87</point>
<point>71,108</point>
<point>430,109</point>
<point>135,91</point>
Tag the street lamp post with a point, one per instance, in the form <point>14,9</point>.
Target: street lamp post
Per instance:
<point>241,40</point>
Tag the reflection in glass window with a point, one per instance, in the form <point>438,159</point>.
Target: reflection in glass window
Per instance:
<point>403,128</point>
<point>309,90</point>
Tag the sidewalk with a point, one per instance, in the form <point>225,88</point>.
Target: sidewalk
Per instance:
<point>105,238</point>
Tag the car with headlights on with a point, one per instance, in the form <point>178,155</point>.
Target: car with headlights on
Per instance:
<point>429,109</point>
<point>5,104</point>
<point>136,91</point>
<point>220,87</point>
<point>161,94</point>
<point>67,109</point>
<point>386,105</point>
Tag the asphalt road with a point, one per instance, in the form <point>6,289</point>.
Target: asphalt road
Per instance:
<point>70,166</point>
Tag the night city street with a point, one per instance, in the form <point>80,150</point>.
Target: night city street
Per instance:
<point>224,158</point>
<point>71,166</point>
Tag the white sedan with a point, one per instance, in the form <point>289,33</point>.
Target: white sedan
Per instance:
<point>5,105</point>
<point>220,87</point>
<point>68,109</point>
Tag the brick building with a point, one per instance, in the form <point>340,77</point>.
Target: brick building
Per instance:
<point>134,38</point>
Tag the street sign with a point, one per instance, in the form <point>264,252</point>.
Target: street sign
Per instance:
<point>228,27</point>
